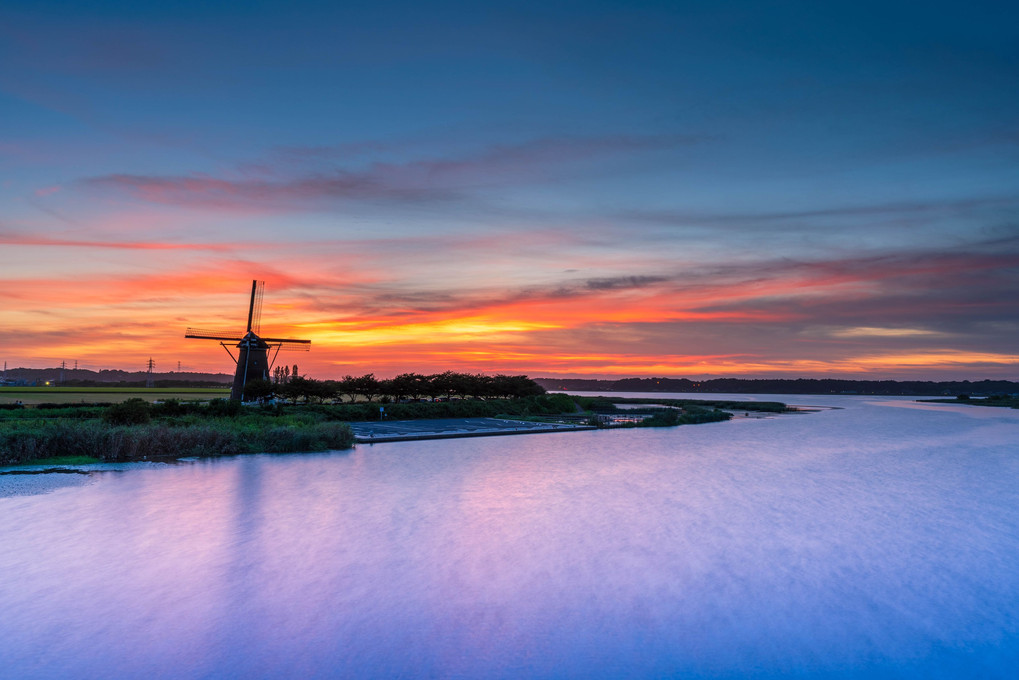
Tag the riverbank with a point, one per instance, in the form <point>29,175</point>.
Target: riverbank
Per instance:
<point>99,441</point>
<point>137,430</point>
<point>999,401</point>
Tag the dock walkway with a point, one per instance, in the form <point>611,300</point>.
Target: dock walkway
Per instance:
<point>371,432</point>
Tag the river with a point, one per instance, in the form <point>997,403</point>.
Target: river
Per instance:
<point>878,539</point>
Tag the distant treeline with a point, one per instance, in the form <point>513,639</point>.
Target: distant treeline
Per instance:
<point>785,386</point>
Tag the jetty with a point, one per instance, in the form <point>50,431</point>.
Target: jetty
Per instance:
<point>376,431</point>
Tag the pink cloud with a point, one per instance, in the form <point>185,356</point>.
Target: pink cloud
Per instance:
<point>411,182</point>
<point>11,238</point>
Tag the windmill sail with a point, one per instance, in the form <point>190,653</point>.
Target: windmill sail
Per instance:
<point>211,334</point>
<point>290,344</point>
<point>255,315</point>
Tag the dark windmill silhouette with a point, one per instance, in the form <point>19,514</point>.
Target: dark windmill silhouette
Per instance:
<point>252,358</point>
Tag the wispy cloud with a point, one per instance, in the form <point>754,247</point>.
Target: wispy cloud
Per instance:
<point>883,332</point>
<point>909,208</point>
<point>211,192</point>
<point>416,181</point>
<point>19,239</point>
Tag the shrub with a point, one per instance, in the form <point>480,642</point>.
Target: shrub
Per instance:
<point>663,418</point>
<point>224,408</point>
<point>134,411</point>
<point>23,442</point>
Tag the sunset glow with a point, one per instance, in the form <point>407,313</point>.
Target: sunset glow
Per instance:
<point>634,190</point>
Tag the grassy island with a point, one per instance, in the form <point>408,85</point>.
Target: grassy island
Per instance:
<point>998,400</point>
<point>136,429</point>
<point>139,430</point>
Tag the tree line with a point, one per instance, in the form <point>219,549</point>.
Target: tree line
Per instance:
<point>786,386</point>
<point>406,386</point>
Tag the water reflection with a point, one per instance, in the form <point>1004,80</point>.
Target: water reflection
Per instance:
<point>878,540</point>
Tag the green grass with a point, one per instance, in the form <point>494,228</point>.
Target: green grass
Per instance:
<point>606,404</point>
<point>95,440</point>
<point>1001,401</point>
<point>64,460</point>
<point>66,395</point>
<point>139,430</point>
<point>545,404</point>
<point>174,429</point>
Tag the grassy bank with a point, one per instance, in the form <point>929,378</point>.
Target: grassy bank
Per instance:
<point>97,441</point>
<point>607,404</point>
<point>140,431</point>
<point>545,404</point>
<point>1001,401</point>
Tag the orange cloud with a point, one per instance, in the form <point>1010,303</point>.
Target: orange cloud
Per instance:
<point>362,316</point>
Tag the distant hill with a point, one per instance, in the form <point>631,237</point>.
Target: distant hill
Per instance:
<point>784,386</point>
<point>85,378</point>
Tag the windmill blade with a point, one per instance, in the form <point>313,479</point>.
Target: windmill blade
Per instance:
<point>211,334</point>
<point>290,344</point>
<point>256,316</point>
<point>251,305</point>
<point>291,347</point>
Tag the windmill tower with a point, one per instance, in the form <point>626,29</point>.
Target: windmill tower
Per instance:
<point>252,358</point>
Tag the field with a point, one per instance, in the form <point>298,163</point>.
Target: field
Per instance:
<point>89,395</point>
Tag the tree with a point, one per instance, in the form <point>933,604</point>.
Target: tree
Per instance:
<point>461,384</point>
<point>502,386</point>
<point>405,385</point>
<point>367,386</point>
<point>348,386</point>
<point>444,383</point>
<point>330,391</point>
<point>520,386</point>
<point>290,391</point>
<point>431,386</point>
<point>311,391</point>
<point>479,385</point>
<point>256,390</point>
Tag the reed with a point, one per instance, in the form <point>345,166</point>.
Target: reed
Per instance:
<point>23,441</point>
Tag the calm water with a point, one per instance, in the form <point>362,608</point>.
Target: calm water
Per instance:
<point>877,540</point>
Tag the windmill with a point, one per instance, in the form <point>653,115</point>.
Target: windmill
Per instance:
<point>252,358</point>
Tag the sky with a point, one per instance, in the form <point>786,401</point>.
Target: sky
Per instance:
<point>605,189</point>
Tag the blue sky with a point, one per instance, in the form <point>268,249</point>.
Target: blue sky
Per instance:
<point>784,188</point>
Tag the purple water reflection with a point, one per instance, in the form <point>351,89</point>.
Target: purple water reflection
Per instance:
<point>881,540</point>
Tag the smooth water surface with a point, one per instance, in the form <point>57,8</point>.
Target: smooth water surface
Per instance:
<point>876,540</point>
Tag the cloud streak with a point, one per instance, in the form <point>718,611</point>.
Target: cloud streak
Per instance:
<point>412,182</point>
<point>19,239</point>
